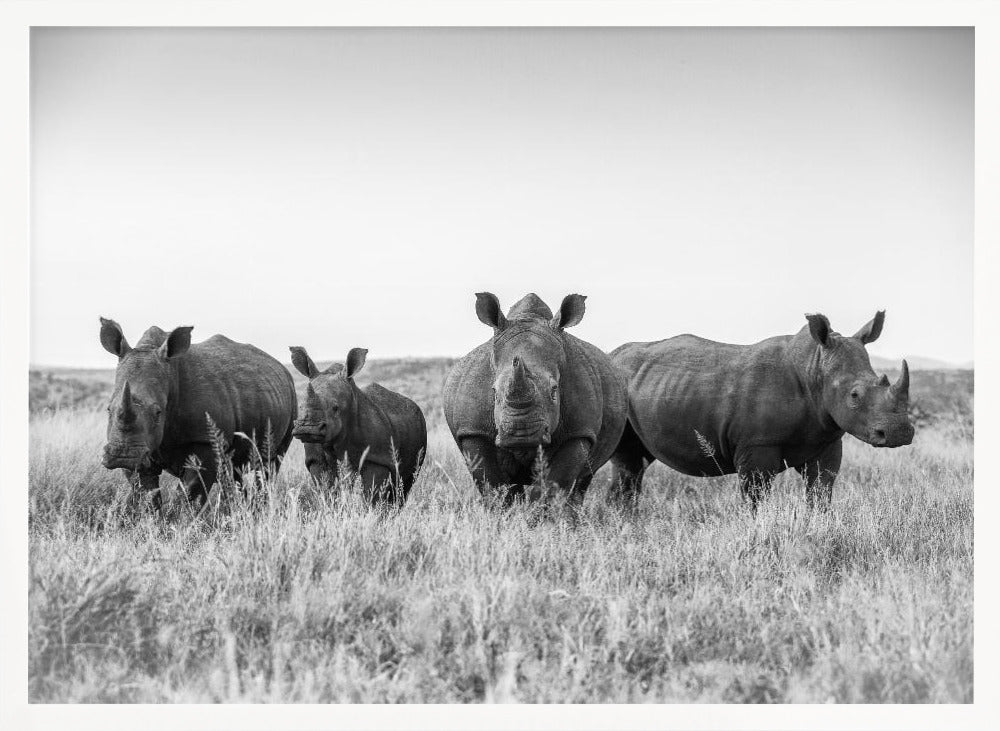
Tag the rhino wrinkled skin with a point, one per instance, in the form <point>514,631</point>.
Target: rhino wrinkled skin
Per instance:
<point>373,431</point>
<point>707,408</point>
<point>164,386</point>
<point>533,387</point>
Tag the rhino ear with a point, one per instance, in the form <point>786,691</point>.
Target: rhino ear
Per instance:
<point>488,310</point>
<point>819,328</point>
<point>113,339</point>
<point>177,342</point>
<point>302,362</point>
<point>870,332</point>
<point>355,361</point>
<point>570,311</point>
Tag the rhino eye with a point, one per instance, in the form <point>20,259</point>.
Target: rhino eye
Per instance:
<point>555,391</point>
<point>855,395</point>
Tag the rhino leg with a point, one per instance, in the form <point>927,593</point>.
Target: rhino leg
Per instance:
<point>753,487</point>
<point>481,457</point>
<point>409,473</point>
<point>628,465</point>
<point>756,468</point>
<point>150,482</point>
<point>379,485</point>
<point>197,483</point>
<point>322,468</point>
<point>145,481</point>
<point>579,491</point>
<point>568,469</point>
<point>820,475</point>
<point>281,448</point>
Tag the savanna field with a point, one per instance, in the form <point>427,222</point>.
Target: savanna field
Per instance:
<point>309,596</point>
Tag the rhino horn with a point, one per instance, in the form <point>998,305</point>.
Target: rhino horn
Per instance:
<point>901,388</point>
<point>311,410</point>
<point>126,412</point>
<point>884,380</point>
<point>519,390</point>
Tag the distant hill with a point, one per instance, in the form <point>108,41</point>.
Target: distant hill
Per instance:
<point>377,369</point>
<point>419,378</point>
<point>917,363</point>
<point>938,391</point>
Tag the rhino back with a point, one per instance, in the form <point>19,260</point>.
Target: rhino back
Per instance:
<point>468,395</point>
<point>407,425</point>
<point>734,396</point>
<point>240,386</point>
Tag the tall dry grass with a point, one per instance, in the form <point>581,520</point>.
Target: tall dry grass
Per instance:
<point>314,597</point>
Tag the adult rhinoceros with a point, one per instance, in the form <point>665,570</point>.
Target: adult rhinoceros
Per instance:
<point>373,431</point>
<point>707,408</point>
<point>534,386</point>
<point>164,386</point>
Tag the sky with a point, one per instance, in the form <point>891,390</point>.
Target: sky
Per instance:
<point>334,188</point>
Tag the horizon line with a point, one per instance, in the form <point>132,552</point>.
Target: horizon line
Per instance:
<point>946,364</point>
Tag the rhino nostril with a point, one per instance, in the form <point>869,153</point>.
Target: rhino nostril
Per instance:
<point>880,435</point>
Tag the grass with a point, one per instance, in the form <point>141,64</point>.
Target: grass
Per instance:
<point>313,597</point>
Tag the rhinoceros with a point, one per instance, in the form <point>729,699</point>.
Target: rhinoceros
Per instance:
<point>373,431</point>
<point>532,387</point>
<point>707,408</point>
<point>165,386</point>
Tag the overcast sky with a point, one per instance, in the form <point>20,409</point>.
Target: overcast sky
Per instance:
<point>355,187</point>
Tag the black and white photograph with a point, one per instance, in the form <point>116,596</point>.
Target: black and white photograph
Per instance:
<point>472,365</point>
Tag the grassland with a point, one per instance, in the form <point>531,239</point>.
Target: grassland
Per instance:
<point>312,597</point>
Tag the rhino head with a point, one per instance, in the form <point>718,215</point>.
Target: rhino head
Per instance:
<point>329,398</point>
<point>861,403</point>
<point>528,359</point>
<point>144,382</point>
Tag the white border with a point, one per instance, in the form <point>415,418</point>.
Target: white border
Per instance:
<point>15,20</point>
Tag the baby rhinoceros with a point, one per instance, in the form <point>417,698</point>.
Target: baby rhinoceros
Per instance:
<point>377,433</point>
<point>164,387</point>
